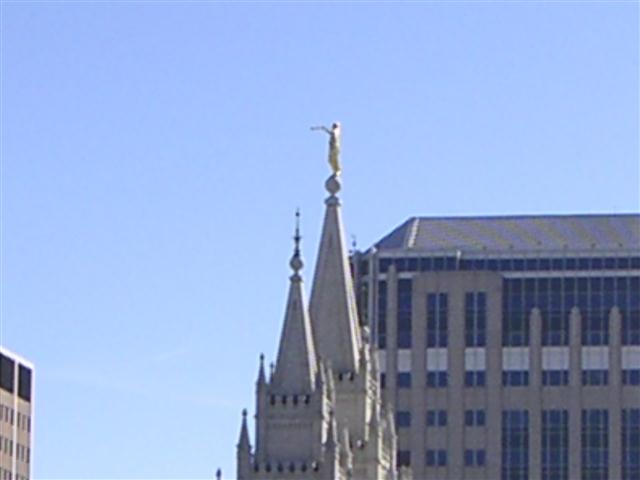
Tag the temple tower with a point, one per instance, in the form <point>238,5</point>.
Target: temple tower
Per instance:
<point>320,414</point>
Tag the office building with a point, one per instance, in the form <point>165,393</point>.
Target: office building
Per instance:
<point>16,416</point>
<point>509,346</point>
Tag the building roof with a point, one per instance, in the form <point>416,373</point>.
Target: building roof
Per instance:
<point>522,233</point>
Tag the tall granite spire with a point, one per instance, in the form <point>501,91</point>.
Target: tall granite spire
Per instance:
<point>296,366</point>
<point>333,307</point>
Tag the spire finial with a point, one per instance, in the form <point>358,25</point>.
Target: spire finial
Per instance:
<point>261,376</point>
<point>296,261</point>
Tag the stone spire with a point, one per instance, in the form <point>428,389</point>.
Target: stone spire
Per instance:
<point>295,369</point>
<point>333,306</point>
<point>243,442</point>
<point>262,379</point>
<point>243,454</point>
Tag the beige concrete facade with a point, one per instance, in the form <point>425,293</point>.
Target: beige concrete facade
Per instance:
<point>419,442</point>
<point>16,417</point>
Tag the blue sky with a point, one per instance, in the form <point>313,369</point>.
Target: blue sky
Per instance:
<point>153,155</point>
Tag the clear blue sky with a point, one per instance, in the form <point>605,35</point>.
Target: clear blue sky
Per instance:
<point>153,155</point>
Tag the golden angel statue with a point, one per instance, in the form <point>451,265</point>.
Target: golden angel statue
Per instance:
<point>334,146</point>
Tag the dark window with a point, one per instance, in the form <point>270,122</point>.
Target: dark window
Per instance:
<point>469,458</point>
<point>403,458</point>
<point>382,315</point>
<point>436,458</point>
<point>412,264</point>
<point>595,445</point>
<point>474,418</point>
<point>24,383</point>
<point>555,445</point>
<point>631,444</point>
<point>475,378</point>
<point>437,320</point>
<point>515,445</point>
<point>404,380</point>
<point>629,304</point>
<point>555,316</point>
<point>515,378</point>
<point>383,380</point>
<point>555,378</point>
<point>7,373</point>
<point>474,458</point>
<point>438,263</point>
<point>475,304</point>
<point>384,264</point>
<point>425,264</point>
<point>403,419</point>
<point>436,418</point>
<point>437,379</point>
<point>631,377</point>
<point>595,377</point>
<point>594,311</point>
<point>518,299</point>
<point>404,313</point>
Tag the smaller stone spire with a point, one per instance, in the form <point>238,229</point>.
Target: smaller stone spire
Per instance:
<point>261,376</point>
<point>243,443</point>
<point>296,365</point>
<point>243,454</point>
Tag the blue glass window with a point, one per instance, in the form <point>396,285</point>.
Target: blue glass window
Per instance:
<point>436,418</point>
<point>437,320</point>
<point>555,378</point>
<point>474,458</point>
<point>404,313</point>
<point>475,306</point>
<point>595,444</point>
<point>517,301</point>
<point>404,380</point>
<point>631,444</point>
<point>403,419</point>
<point>629,305</point>
<point>474,418</point>
<point>515,378</point>
<point>631,377</point>
<point>437,379</point>
<point>437,458</point>
<point>382,315</point>
<point>475,378</point>
<point>515,445</point>
<point>7,373</point>
<point>385,263</point>
<point>555,445</point>
<point>595,377</point>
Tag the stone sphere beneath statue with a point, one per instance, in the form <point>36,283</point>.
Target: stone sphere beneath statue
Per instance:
<point>333,184</point>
